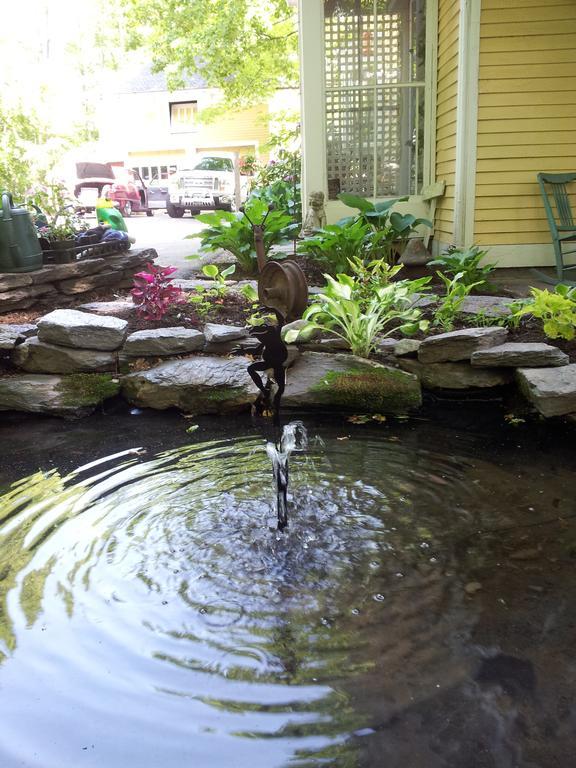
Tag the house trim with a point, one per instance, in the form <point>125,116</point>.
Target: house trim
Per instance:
<point>467,122</point>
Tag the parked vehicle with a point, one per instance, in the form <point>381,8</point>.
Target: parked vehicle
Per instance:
<point>208,184</point>
<point>122,185</point>
<point>158,194</point>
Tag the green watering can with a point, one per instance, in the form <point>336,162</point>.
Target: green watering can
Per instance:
<point>20,249</point>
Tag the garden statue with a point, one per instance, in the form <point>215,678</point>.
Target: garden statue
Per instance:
<point>274,353</point>
<point>316,215</point>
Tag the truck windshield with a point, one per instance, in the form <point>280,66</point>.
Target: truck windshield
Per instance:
<point>214,164</point>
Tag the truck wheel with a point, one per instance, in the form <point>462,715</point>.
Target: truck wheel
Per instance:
<point>127,209</point>
<point>174,212</point>
<point>194,211</point>
<point>149,212</point>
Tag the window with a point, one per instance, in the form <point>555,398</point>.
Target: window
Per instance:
<point>375,51</point>
<point>183,116</point>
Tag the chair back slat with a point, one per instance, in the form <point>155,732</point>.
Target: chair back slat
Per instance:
<point>563,207</point>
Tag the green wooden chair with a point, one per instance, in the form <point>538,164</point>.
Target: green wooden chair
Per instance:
<point>553,187</point>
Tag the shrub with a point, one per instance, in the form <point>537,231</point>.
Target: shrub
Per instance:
<point>335,245</point>
<point>449,304</point>
<point>153,293</point>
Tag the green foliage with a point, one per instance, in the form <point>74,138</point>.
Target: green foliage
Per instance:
<point>22,133</point>
<point>556,309</point>
<point>246,49</point>
<point>335,245</point>
<point>345,310</point>
<point>232,232</point>
<point>219,276</point>
<point>283,196</point>
<point>449,304</point>
<point>465,262</point>
<point>391,228</point>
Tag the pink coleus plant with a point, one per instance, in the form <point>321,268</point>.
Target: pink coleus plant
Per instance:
<point>153,293</point>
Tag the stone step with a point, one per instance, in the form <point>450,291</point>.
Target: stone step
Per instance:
<point>519,355</point>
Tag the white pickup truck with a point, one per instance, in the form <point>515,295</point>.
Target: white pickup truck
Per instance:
<point>208,184</point>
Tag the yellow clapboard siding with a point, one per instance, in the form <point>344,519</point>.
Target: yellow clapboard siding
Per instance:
<point>526,150</point>
<point>514,177</point>
<point>532,43</point>
<point>446,103</point>
<point>507,202</point>
<point>444,156</point>
<point>510,85</point>
<point>529,124</point>
<point>443,121</point>
<point>521,213</point>
<point>513,238</point>
<point>446,132</point>
<point>516,188</point>
<point>523,28</point>
<point>447,61</point>
<point>525,71</point>
<point>523,99</point>
<point>449,21</point>
<point>445,144</point>
<point>448,86</point>
<point>554,138</point>
<point>496,226</point>
<point>499,58</point>
<point>547,111</point>
<point>524,4</point>
<point>541,12</point>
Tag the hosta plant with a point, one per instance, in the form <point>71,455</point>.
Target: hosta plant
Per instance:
<point>232,232</point>
<point>153,292</point>
<point>335,245</point>
<point>556,309</point>
<point>450,304</point>
<point>343,310</point>
<point>391,229</point>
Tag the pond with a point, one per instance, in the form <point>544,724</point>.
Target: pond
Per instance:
<point>417,612</point>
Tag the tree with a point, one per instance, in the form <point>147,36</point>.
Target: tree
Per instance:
<point>246,48</point>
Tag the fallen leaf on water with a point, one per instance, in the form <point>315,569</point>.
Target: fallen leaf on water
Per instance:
<point>347,437</point>
<point>193,428</point>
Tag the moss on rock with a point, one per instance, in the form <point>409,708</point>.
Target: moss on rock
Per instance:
<point>370,390</point>
<point>85,389</point>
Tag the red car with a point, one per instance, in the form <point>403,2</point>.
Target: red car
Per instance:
<point>123,185</point>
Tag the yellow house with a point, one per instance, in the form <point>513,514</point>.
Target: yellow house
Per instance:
<point>479,94</point>
<point>158,131</point>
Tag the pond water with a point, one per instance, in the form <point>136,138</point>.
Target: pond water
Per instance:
<point>418,611</point>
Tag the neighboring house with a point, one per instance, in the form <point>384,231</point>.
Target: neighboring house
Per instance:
<point>158,131</point>
<point>480,94</point>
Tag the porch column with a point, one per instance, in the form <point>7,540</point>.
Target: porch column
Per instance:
<point>312,98</point>
<point>467,122</point>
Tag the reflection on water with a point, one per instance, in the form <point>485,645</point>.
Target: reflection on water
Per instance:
<point>151,614</point>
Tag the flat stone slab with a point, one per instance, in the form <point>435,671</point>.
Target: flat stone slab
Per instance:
<point>551,390</point>
<point>9,281</point>
<point>207,384</point>
<point>520,355</point>
<point>341,381</point>
<point>70,328</point>
<point>161,342</point>
<point>50,273</point>
<point>407,347</point>
<point>36,356</point>
<point>121,308</point>
<point>459,375</point>
<point>56,395</point>
<point>11,333</point>
<point>217,334</point>
<point>489,306</point>
<point>459,345</point>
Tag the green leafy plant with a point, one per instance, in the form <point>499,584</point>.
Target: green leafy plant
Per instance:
<point>449,304</point>
<point>335,245</point>
<point>374,274</point>
<point>219,276</point>
<point>465,262</point>
<point>391,229</point>
<point>344,311</point>
<point>232,232</point>
<point>556,309</point>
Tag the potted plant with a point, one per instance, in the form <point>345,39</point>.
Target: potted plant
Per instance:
<point>57,222</point>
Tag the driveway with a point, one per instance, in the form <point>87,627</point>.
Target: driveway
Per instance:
<point>167,236</point>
